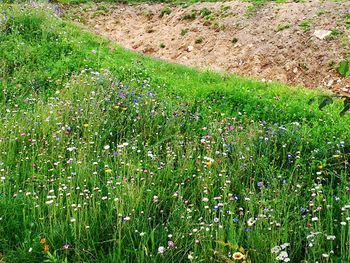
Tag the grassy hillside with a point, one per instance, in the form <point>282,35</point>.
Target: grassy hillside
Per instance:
<point>110,156</point>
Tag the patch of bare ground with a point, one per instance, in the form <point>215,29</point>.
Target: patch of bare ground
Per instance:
<point>272,41</point>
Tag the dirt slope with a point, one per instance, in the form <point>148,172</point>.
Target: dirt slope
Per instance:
<point>272,42</point>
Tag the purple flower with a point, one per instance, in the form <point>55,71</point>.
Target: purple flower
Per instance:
<point>260,184</point>
<point>151,94</point>
<point>302,210</point>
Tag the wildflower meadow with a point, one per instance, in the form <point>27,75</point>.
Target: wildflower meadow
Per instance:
<point>111,156</point>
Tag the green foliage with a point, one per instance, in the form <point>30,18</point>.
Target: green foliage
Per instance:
<point>189,16</point>
<point>305,24</point>
<point>198,40</point>
<point>282,26</point>
<point>184,31</point>
<point>325,100</point>
<point>165,11</point>
<point>205,12</point>
<point>344,68</point>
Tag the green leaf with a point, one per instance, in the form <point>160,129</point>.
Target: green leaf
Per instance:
<point>346,106</point>
<point>344,68</point>
<point>324,101</point>
<point>312,100</point>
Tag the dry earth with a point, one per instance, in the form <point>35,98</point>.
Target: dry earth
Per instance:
<point>266,42</point>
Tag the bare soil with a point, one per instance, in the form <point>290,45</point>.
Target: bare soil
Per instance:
<point>271,42</point>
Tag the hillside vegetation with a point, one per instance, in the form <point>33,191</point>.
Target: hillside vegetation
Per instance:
<point>110,156</point>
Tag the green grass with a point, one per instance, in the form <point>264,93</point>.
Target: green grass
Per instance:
<point>305,24</point>
<point>117,155</point>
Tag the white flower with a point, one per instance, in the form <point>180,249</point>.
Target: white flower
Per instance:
<point>283,256</point>
<point>283,246</point>
<point>251,221</point>
<point>161,250</point>
<point>275,249</point>
<point>330,237</point>
<point>106,147</point>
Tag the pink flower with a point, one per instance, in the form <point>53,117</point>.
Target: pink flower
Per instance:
<point>161,250</point>
<point>170,243</point>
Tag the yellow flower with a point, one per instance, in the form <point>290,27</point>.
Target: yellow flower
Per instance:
<point>108,171</point>
<point>237,256</point>
<point>86,125</point>
<point>209,162</point>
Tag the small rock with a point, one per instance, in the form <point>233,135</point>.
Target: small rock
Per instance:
<point>189,48</point>
<point>321,33</point>
<point>295,70</point>
<point>330,83</point>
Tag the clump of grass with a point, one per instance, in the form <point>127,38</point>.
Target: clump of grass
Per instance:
<point>198,40</point>
<point>282,26</point>
<point>344,68</point>
<point>224,11</point>
<point>250,11</point>
<point>162,45</point>
<point>305,24</point>
<point>184,31</point>
<point>189,16</point>
<point>347,20</point>
<point>165,11</point>
<point>148,14</point>
<point>335,32</point>
<point>205,12</point>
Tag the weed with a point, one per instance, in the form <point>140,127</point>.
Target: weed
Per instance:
<point>189,16</point>
<point>234,40</point>
<point>205,12</point>
<point>305,24</point>
<point>283,26</point>
<point>148,14</point>
<point>165,11</point>
<point>344,68</point>
<point>184,31</point>
<point>198,40</point>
